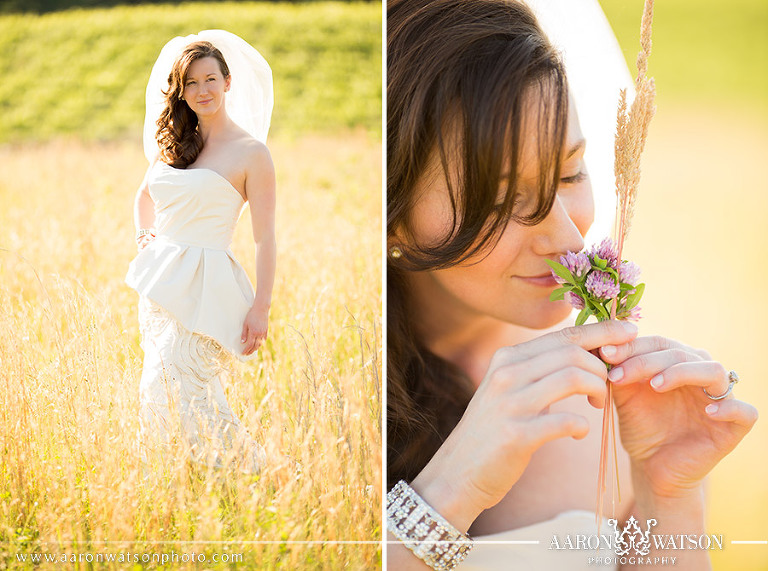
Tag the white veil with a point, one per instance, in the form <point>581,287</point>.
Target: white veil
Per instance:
<point>249,100</point>
<point>596,72</point>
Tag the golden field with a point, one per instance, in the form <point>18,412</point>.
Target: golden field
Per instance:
<point>700,235</point>
<point>70,364</point>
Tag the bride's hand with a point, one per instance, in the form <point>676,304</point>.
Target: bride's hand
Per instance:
<point>674,434</point>
<point>508,418</point>
<point>255,328</point>
<point>144,241</point>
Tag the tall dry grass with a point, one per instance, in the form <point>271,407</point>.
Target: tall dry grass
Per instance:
<point>70,364</point>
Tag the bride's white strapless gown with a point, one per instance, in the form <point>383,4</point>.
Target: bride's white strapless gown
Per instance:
<point>529,547</point>
<point>194,296</point>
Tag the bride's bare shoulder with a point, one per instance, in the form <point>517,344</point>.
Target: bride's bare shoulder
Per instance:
<point>258,168</point>
<point>243,139</point>
<point>250,151</point>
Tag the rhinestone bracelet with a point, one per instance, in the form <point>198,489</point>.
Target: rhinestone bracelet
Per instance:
<point>143,232</point>
<point>424,531</point>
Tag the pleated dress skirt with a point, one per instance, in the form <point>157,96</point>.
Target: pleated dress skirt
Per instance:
<point>182,400</point>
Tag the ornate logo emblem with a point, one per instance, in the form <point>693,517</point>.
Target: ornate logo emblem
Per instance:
<point>631,537</point>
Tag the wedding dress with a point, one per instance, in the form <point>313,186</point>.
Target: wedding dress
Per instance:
<point>194,299</point>
<point>532,547</point>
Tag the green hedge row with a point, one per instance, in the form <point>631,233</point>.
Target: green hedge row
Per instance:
<point>41,6</point>
<point>83,72</point>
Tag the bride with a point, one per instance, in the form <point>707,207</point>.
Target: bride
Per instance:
<point>489,434</point>
<point>207,119</point>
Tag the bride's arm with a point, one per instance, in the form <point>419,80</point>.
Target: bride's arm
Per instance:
<point>440,496</point>
<point>260,191</point>
<point>507,420</point>
<point>144,211</point>
<point>682,515</point>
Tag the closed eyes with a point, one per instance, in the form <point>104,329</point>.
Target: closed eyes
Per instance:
<point>578,177</point>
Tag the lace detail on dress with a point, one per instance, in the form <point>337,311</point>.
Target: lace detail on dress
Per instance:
<point>182,398</point>
<point>197,355</point>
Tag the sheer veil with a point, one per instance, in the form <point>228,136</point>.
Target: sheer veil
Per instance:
<point>596,72</point>
<point>250,98</point>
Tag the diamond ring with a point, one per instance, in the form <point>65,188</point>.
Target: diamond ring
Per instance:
<point>733,378</point>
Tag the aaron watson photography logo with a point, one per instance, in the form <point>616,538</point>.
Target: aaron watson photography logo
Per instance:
<point>631,545</point>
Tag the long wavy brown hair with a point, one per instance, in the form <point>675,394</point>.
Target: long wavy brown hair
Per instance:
<point>460,76</point>
<point>177,134</point>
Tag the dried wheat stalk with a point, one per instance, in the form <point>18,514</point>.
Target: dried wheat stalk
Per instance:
<point>631,134</point>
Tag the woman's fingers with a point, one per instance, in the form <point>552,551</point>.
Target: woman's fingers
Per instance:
<point>666,364</point>
<point>558,386</point>
<point>588,337</point>
<point>732,410</point>
<point>706,374</point>
<point>594,335</point>
<point>252,340</point>
<point>616,354</point>
<point>248,338</point>
<point>646,366</point>
<point>519,374</point>
<point>548,427</point>
<point>144,241</point>
<point>670,369</point>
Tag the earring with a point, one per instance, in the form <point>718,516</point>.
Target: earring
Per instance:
<point>395,253</point>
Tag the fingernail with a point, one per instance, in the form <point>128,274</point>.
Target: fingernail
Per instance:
<point>609,350</point>
<point>711,409</point>
<point>629,326</point>
<point>616,374</point>
<point>657,381</point>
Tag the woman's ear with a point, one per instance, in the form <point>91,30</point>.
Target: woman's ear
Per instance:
<point>227,82</point>
<point>394,252</point>
<point>396,244</point>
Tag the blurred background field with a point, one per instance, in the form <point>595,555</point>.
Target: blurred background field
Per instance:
<point>700,232</point>
<point>70,361</point>
<point>84,72</point>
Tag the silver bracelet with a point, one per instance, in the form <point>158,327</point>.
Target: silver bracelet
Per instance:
<point>424,531</point>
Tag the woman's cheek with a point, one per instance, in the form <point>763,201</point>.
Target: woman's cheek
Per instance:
<point>431,221</point>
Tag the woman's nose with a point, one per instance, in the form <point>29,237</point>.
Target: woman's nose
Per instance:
<point>558,232</point>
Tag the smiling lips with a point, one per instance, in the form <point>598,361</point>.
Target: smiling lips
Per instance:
<point>205,102</point>
<point>543,280</point>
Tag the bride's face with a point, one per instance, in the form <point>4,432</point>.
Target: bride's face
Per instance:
<point>512,281</point>
<point>205,85</point>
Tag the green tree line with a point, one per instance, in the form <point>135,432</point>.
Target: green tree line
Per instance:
<point>41,6</point>
<point>83,72</point>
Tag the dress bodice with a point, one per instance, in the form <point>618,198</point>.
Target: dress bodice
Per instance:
<point>196,206</point>
<point>188,269</point>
